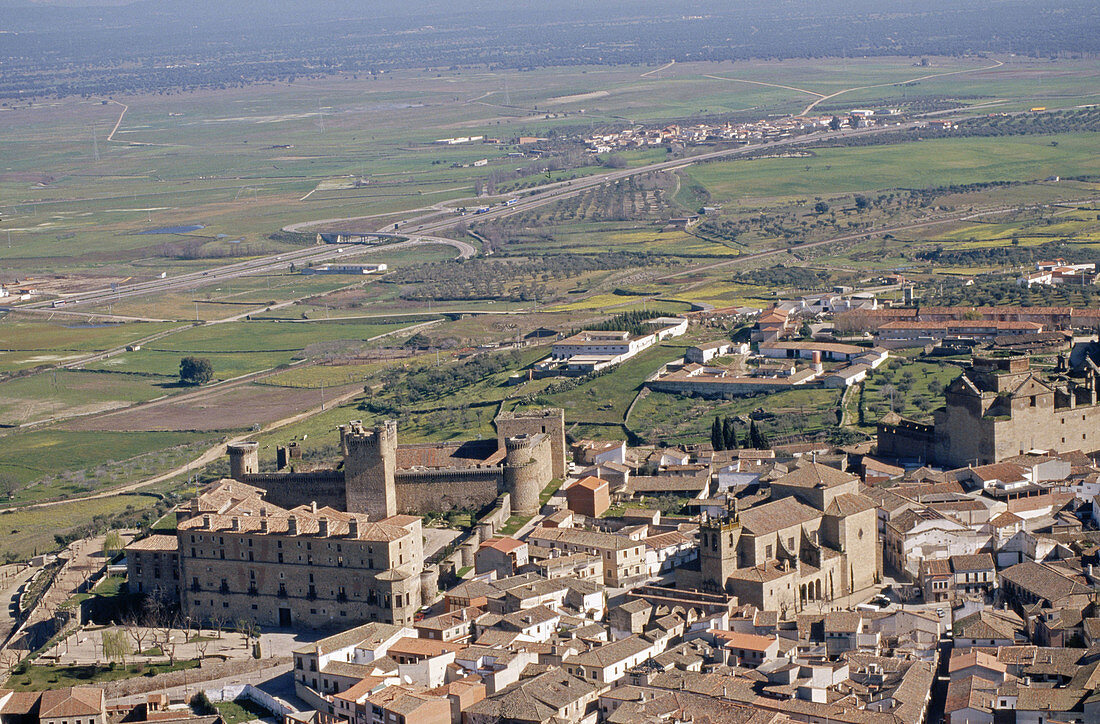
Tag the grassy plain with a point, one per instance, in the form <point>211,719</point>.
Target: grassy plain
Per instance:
<point>24,533</point>
<point>64,463</point>
<point>928,164</point>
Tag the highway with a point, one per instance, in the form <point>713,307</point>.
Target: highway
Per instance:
<point>262,265</point>
<point>424,233</point>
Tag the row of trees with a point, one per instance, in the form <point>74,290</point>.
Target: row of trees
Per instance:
<point>723,436</point>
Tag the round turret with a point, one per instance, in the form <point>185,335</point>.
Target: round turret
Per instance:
<point>429,585</point>
<point>244,459</point>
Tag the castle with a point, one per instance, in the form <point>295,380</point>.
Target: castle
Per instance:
<point>1000,407</point>
<point>812,546</point>
<point>381,478</point>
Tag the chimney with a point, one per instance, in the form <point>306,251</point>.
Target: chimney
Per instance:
<point>235,523</point>
<point>292,525</point>
<point>353,527</point>
<point>313,505</point>
<point>263,525</point>
<point>206,522</point>
<point>322,527</point>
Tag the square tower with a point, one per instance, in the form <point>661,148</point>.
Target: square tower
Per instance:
<point>370,464</point>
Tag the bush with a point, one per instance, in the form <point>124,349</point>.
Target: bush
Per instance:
<point>201,704</point>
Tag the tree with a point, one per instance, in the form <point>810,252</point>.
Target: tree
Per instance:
<point>835,123</point>
<point>115,646</point>
<point>615,161</point>
<point>821,208</point>
<point>195,371</point>
<point>8,485</point>
<point>862,202</point>
<point>757,439</point>
<point>717,439</point>
<point>729,434</point>
<point>112,544</point>
<point>201,705</point>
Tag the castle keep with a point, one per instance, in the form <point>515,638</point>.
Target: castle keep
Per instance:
<point>1000,407</point>
<point>380,477</point>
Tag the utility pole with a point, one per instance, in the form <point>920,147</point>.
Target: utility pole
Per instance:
<point>95,144</point>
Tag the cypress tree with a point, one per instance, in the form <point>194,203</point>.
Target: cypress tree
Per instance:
<point>757,439</point>
<point>717,440</point>
<point>729,433</point>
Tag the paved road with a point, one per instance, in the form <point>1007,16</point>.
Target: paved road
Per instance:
<point>423,233</point>
<point>263,265</point>
<point>9,600</point>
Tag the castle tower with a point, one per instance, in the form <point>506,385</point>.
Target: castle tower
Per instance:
<point>370,464</point>
<point>244,459</point>
<point>550,422</point>
<point>528,469</point>
<point>718,542</point>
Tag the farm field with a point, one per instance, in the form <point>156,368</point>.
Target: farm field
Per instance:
<point>69,393</point>
<point>237,348</point>
<point>931,163</point>
<point>241,407</point>
<point>52,463</point>
<point>24,533</point>
<point>242,163</point>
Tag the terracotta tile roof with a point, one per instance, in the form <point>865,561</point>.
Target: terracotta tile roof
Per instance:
<point>590,483</point>
<point>1043,580</point>
<point>19,703</point>
<point>965,659</point>
<point>583,538</point>
<point>504,545</point>
<point>816,475</point>
<point>976,562</point>
<point>849,504</point>
<point>776,515</point>
<point>989,625</point>
<point>473,453</point>
<point>1006,519</point>
<point>748,642</point>
<point>71,702</point>
<point>971,692</point>
<point>369,636</point>
<point>156,542</point>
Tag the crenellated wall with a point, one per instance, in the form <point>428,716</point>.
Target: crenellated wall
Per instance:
<point>371,483</point>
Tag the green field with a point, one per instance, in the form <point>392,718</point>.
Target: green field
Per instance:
<point>927,164</point>
<point>66,393</point>
<point>674,419</point>
<point>51,463</point>
<point>24,533</point>
<point>237,348</point>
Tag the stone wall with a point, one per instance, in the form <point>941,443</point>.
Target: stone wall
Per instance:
<point>550,422</point>
<point>289,490</point>
<point>906,439</point>
<point>437,491</point>
<point>370,464</point>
